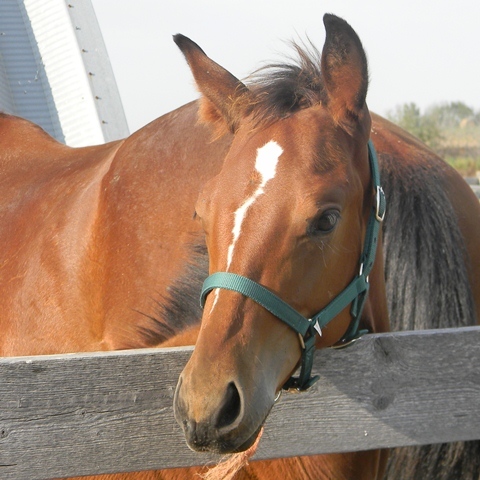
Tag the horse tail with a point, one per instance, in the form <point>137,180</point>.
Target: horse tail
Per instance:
<point>427,287</point>
<point>425,255</point>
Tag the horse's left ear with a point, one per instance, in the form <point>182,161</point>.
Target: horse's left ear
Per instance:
<point>226,95</point>
<point>345,73</point>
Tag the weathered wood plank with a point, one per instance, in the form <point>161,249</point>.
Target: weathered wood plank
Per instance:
<point>109,412</point>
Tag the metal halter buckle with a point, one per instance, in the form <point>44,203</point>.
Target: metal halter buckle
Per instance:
<point>380,198</point>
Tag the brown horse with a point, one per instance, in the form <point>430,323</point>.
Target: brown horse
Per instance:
<point>289,218</point>
<point>97,243</point>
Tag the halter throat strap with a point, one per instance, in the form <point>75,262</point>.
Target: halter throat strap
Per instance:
<point>355,293</point>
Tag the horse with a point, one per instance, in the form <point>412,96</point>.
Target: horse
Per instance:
<point>292,225</point>
<point>101,249</point>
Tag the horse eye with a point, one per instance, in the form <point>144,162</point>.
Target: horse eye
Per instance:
<point>325,223</point>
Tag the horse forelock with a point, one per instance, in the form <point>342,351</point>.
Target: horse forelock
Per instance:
<point>277,90</point>
<point>281,89</point>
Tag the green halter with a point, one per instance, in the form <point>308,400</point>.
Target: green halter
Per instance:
<point>355,293</point>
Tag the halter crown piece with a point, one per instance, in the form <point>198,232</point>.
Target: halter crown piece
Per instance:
<point>355,293</point>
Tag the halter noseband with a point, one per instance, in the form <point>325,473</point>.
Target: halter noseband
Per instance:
<point>355,293</point>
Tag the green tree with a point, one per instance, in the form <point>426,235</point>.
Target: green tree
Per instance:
<point>451,129</point>
<point>450,115</point>
<point>424,127</point>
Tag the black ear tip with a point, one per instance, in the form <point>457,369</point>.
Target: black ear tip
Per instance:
<point>185,44</point>
<point>180,39</point>
<point>328,16</point>
<point>177,37</point>
<point>332,21</point>
<point>339,30</point>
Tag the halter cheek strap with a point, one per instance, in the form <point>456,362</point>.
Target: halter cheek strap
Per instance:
<point>355,293</point>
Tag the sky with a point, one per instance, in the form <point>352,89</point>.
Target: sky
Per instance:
<point>421,51</point>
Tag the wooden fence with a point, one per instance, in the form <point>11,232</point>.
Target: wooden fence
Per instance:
<point>83,414</point>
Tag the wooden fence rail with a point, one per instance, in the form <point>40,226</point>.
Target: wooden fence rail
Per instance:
<point>83,414</point>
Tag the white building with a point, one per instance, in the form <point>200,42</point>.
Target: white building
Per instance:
<point>55,71</point>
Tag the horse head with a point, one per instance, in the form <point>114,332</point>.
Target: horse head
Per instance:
<point>289,210</point>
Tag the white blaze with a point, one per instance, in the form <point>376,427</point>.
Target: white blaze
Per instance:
<point>266,166</point>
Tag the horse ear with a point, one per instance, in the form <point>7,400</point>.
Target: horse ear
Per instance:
<point>345,72</point>
<point>223,91</point>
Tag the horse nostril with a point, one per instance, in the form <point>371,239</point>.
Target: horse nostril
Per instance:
<point>231,407</point>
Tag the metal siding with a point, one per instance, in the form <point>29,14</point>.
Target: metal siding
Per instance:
<point>6,100</point>
<point>71,95</point>
<point>45,73</point>
<point>26,81</point>
<point>99,70</point>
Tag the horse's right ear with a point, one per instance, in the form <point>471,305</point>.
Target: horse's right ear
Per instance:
<point>226,95</point>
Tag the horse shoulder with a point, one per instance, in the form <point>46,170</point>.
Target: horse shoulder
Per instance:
<point>49,202</point>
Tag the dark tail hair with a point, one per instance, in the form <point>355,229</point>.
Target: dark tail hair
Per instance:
<point>427,287</point>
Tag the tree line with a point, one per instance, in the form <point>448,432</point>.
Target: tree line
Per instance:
<point>450,129</point>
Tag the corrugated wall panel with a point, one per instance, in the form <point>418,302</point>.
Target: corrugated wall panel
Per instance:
<point>6,99</point>
<point>26,80</point>
<point>45,72</point>
<point>100,74</point>
<point>71,95</point>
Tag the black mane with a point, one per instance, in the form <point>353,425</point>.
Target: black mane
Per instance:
<point>180,309</point>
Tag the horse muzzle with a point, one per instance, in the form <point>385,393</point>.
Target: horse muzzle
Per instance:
<point>216,420</point>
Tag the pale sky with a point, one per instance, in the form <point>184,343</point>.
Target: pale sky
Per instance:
<point>422,51</point>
